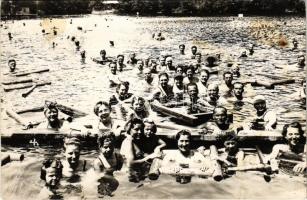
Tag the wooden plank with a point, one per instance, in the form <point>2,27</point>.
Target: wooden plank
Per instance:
<point>11,82</point>
<point>34,109</point>
<point>7,89</point>
<point>25,94</point>
<point>31,72</point>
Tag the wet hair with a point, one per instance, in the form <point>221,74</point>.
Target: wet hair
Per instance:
<point>192,84</point>
<point>125,84</point>
<point>112,63</point>
<point>219,107</point>
<point>108,136</point>
<point>130,124</point>
<point>206,71</point>
<point>292,125</point>
<point>51,163</point>
<point>100,103</point>
<point>198,53</point>
<point>120,55</point>
<point>103,52</point>
<point>238,83</point>
<point>194,47</point>
<point>231,136</point>
<point>191,67</point>
<point>183,132</point>
<point>150,121</point>
<point>50,106</point>
<point>182,45</point>
<point>163,74</point>
<point>12,60</point>
<point>72,141</point>
<point>227,72</point>
<point>137,98</point>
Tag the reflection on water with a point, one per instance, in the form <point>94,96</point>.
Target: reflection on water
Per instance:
<point>82,83</point>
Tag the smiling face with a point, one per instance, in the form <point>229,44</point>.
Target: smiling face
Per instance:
<point>52,179</point>
<point>184,144</point>
<point>147,74</point>
<point>193,91</point>
<point>260,107</point>
<point>179,70</point>
<point>293,136</point>
<point>230,146</point>
<point>204,78</point>
<point>107,148</point>
<point>113,68</point>
<point>104,113</point>
<point>52,115</point>
<point>122,91</point>
<point>213,91</point>
<point>136,131</point>
<point>149,129</point>
<point>163,81</point>
<point>138,105</point>
<point>72,154</point>
<point>220,116</point>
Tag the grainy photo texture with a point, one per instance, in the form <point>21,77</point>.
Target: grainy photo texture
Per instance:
<point>153,99</point>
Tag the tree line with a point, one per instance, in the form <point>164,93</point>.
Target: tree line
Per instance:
<point>160,7</point>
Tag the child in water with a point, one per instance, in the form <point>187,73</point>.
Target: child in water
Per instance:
<point>51,173</point>
<point>108,160</point>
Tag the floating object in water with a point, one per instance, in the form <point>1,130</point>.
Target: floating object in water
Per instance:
<point>111,43</point>
<point>16,81</point>
<point>217,172</point>
<point>79,28</point>
<point>6,158</point>
<point>31,72</point>
<point>7,89</point>
<point>25,94</point>
<point>18,118</point>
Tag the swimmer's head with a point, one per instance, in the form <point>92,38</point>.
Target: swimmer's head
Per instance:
<point>51,172</point>
<point>135,128</point>
<point>51,112</point>
<point>103,110</point>
<point>293,133</point>
<point>150,128</point>
<point>106,144</point>
<point>72,147</point>
<point>12,64</point>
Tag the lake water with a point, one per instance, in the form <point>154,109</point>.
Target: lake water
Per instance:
<point>83,84</point>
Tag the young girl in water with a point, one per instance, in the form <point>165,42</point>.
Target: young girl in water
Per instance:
<point>138,109</point>
<point>51,173</point>
<point>108,160</point>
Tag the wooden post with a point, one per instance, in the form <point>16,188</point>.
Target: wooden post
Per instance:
<point>7,89</point>
<point>11,82</point>
<point>18,118</point>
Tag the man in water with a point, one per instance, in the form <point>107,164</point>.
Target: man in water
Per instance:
<point>178,87</point>
<point>12,65</point>
<point>193,51</point>
<point>221,125</point>
<point>213,98</point>
<point>132,59</point>
<point>181,49</point>
<point>120,62</point>
<point>226,87</point>
<point>121,95</point>
<point>301,61</point>
<point>190,78</point>
<point>194,103</point>
<point>202,84</point>
<point>265,119</point>
<point>113,77</point>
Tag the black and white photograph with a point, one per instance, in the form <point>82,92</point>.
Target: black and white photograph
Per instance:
<point>153,99</point>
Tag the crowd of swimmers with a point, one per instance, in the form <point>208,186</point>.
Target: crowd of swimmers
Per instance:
<point>132,143</point>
